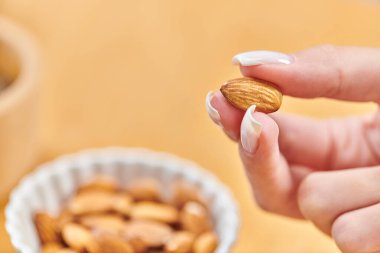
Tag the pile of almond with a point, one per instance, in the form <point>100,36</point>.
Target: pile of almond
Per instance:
<point>102,217</point>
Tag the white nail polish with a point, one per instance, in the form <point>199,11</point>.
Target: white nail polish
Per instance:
<point>212,112</point>
<point>250,131</point>
<point>252,58</point>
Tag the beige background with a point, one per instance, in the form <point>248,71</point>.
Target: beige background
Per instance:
<point>135,73</point>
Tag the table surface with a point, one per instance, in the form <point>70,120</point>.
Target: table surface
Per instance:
<point>135,73</point>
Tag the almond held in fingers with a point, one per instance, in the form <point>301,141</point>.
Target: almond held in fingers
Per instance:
<point>46,227</point>
<point>153,234</point>
<point>154,211</point>
<point>180,242</point>
<point>195,218</point>
<point>244,92</point>
<point>205,243</point>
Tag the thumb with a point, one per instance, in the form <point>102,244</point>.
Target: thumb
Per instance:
<point>347,73</point>
<point>274,183</point>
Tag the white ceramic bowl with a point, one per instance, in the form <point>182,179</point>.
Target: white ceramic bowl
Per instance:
<point>52,183</point>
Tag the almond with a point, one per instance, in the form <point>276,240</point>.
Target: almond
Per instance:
<point>101,183</point>
<point>64,217</point>
<point>46,227</point>
<point>205,243</point>
<point>244,92</point>
<point>66,250</point>
<point>154,211</point>
<point>183,192</point>
<point>122,203</point>
<point>51,247</point>
<point>153,234</point>
<point>138,245</point>
<point>113,244</point>
<point>195,218</point>
<point>110,224</point>
<point>145,189</point>
<point>93,201</point>
<point>180,242</point>
<point>79,238</point>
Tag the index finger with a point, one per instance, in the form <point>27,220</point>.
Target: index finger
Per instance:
<point>346,73</point>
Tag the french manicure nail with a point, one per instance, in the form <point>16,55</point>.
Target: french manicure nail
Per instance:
<point>250,131</point>
<point>212,112</point>
<point>252,58</point>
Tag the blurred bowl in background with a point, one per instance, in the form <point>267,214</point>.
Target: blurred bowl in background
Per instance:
<point>19,66</point>
<point>52,184</point>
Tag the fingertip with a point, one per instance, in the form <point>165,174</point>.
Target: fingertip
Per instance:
<point>323,71</point>
<point>223,106</point>
<point>230,117</point>
<point>269,134</point>
<point>250,131</point>
<point>267,170</point>
<point>259,134</point>
<point>282,76</point>
<point>269,124</point>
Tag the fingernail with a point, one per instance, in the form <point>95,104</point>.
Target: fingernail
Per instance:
<point>252,58</point>
<point>250,131</point>
<point>212,112</point>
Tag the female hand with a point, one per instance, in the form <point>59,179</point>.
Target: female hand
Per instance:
<point>325,171</point>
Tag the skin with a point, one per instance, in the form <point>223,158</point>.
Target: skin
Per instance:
<point>333,178</point>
